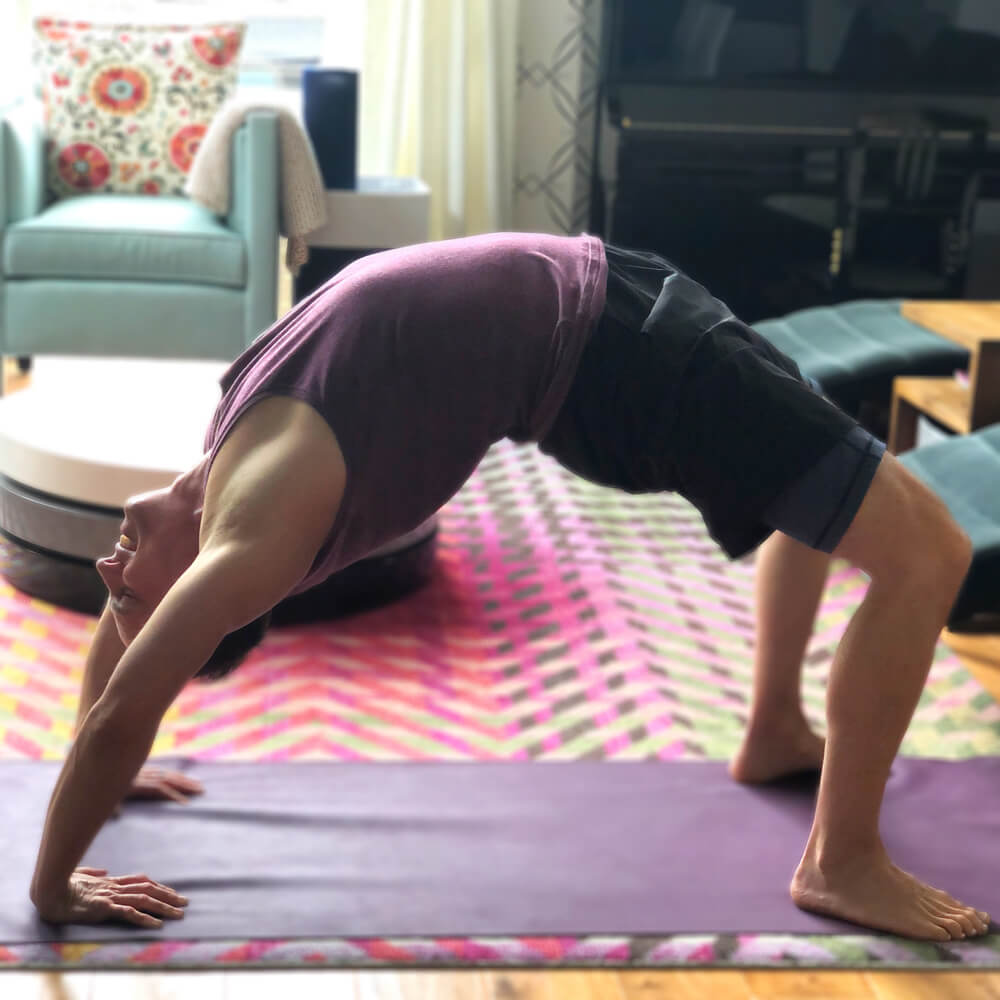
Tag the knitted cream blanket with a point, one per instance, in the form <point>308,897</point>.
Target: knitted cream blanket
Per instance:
<point>302,202</point>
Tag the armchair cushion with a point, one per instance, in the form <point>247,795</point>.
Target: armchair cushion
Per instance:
<point>126,238</point>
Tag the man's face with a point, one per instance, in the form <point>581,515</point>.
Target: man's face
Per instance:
<point>159,541</point>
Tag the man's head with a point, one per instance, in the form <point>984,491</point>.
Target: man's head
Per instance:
<point>159,540</point>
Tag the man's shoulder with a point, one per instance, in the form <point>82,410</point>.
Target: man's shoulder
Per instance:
<point>280,463</point>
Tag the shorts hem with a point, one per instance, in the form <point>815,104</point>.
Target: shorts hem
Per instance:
<point>855,494</point>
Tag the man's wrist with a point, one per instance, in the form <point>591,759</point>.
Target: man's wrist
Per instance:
<point>53,909</point>
<point>43,896</point>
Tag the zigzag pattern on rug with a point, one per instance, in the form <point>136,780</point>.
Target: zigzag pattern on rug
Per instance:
<point>564,621</point>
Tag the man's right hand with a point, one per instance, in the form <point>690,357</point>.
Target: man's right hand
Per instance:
<point>94,897</point>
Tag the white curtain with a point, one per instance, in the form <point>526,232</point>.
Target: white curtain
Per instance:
<point>438,91</point>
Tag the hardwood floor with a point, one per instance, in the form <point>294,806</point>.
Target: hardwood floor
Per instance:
<point>569,985</point>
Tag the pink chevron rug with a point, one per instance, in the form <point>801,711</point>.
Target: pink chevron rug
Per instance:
<point>563,622</point>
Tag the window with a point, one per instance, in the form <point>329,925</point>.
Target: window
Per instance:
<point>282,36</point>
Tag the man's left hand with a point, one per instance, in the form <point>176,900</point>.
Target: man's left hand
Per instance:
<point>159,783</point>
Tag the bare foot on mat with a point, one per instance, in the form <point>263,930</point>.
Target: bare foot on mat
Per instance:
<point>776,750</point>
<point>873,892</point>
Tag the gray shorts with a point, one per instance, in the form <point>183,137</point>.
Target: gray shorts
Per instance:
<point>818,508</point>
<point>674,393</point>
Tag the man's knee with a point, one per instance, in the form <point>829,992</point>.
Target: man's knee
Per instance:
<point>904,532</point>
<point>948,552</point>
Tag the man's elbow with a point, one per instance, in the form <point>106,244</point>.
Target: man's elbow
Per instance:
<point>250,585</point>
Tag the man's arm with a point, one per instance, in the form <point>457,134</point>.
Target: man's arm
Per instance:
<point>270,514</point>
<point>117,734</point>
<point>106,650</point>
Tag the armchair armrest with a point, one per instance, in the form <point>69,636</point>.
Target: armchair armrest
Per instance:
<point>254,214</point>
<point>22,163</point>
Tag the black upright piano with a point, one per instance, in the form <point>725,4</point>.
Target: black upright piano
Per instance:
<point>739,126</point>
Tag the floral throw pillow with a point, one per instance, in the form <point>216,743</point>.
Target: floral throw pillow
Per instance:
<point>126,105</point>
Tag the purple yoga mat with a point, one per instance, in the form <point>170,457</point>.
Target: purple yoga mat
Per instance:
<point>280,850</point>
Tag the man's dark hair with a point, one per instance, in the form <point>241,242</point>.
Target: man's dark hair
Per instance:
<point>233,649</point>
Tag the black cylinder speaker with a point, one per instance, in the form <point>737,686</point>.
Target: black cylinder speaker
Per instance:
<point>330,115</point>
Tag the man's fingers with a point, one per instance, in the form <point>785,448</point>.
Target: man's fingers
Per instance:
<point>183,782</point>
<point>92,871</point>
<point>163,892</point>
<point>157,775</point>
<point>133,916</point>
<point>169,792</point>
<point>156,784</point>
<point>149,904</point>
<point>143,885</point>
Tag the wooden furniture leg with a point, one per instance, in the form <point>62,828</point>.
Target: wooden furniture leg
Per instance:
<point>902,425</point>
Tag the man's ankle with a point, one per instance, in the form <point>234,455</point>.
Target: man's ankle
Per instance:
<point>782,716</point>
<point>829,853</point>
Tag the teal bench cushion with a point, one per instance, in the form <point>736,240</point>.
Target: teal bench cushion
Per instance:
<point>126,238</point>
<point>867,341</point>
<point>965,472</point>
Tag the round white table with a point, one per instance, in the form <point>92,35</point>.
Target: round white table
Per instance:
<point>88,433</point>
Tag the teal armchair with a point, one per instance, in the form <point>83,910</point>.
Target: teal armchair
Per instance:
<point>136,275</point>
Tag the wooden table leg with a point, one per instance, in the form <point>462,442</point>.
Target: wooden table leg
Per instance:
<point>902,425</point>
<point>984,379</point>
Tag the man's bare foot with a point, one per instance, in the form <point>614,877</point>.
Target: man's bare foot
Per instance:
<point>772,751</point>
<point>873,892</point>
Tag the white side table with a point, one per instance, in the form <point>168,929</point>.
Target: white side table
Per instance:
<point>379,214</point>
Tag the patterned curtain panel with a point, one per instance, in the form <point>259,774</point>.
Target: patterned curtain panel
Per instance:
<point>557,74</point>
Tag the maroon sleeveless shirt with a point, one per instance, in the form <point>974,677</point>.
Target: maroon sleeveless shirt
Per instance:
<point>419,359</point>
